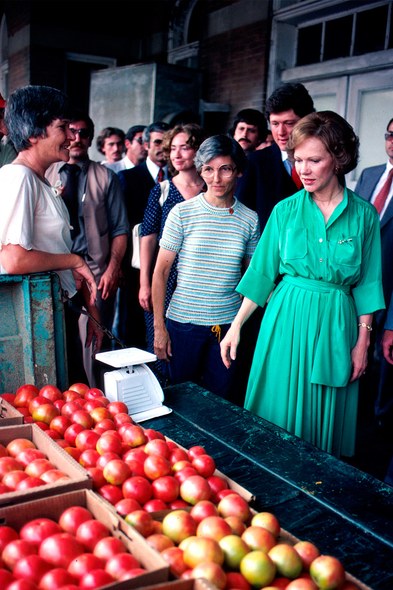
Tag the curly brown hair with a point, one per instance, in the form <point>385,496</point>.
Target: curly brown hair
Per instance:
<point>196,136</point>
<point>336,134</point>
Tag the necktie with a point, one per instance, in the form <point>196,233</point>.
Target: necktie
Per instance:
<point>296,178</point>
<point>70,196</point>
<point>381,197</point>
<point>160,175</point>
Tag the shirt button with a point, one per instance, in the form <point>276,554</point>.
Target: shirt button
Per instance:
<point>320,240</point>
<point>321,260</point>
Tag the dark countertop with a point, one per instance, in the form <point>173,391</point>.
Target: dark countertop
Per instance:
<point>344,511</point>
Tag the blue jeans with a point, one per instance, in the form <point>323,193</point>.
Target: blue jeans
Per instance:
<point>196,357</point>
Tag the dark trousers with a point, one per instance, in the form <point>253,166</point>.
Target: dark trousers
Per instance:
<point>196,357</point>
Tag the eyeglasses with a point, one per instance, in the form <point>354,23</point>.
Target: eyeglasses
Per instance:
<point>157,141</point>
<point>83,133</point>
<point>388,135</point>
<point>224,171</point>
<point>138,140</point>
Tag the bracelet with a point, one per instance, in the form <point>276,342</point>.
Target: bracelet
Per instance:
<point>364,325</point>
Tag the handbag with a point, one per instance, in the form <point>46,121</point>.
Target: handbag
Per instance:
<point>136,230</point>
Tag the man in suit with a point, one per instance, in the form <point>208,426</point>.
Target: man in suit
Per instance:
<point>99,226</point>
<point>268,178</point>
<point>369,186</point>
<point>137,183</point>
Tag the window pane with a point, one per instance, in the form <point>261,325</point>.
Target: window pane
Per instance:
<point>371,30</point>
<point>309,45</point>
<point>338,34</point>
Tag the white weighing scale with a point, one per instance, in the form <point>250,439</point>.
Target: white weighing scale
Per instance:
<point>133,383</point>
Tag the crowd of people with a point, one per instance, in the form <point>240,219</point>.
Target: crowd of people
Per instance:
<point>260,276</point>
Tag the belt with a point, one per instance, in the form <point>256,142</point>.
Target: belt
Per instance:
<point>315,285</point>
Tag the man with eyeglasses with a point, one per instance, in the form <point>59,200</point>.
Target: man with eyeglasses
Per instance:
<point>135,150</point>
<point>137,184</point>
<point>99,223</point>
<point>376,186</point>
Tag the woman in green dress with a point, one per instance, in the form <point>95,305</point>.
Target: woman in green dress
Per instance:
<point>318,264</point>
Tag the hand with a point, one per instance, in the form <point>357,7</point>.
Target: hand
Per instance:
<point>145,298</point>
<point>94,336</point>
<point>359,361</point>
<point>387,346</point>
<point>108,283</point>
<point>84,276</point>
<point>162,344</point>
<point>229,346</point>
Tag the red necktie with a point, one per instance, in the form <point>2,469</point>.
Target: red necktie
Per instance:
<point>296,178</point>
<point>160,175</point>
<point>381,197</point>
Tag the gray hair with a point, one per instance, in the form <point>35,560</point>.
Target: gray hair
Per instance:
<point>220,145</point>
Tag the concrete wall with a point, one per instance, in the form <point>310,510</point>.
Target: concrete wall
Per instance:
<point>139,95</point>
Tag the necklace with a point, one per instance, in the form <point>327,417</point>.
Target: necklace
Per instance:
<point>329,201</point>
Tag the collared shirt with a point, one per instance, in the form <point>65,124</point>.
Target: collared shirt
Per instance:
<point>380,184</point>
<point>153,169</point>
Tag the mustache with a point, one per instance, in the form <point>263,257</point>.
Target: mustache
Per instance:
<point>245,139</point>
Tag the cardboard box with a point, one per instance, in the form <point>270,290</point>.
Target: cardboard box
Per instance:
<point>79,477</point>
<point>53,506</point>
<point>9,416</point>
<point>198,584</point>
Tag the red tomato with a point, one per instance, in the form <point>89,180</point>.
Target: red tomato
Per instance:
<point>109,442</point>
<point>15,550</point>
<point>204,464</point>
<point>156,466</point>
<point>71,518</point>
<point>95,579</point>
<point>31,568</point>
<point>81,388</point>
<point>88,458</point>
<point>93,393</point>
<point>56,578</point>
<point>196,450</point>
<point>111,493</point>
<point>17,445</point>
<point>97,475</point>
<point>126,505</point>
<point>30,482</point>
<point>9,464</point>
<point>108,547</point>
<point>71,432</point>
<point>60,424</point>
<point>51,392</point>
<point>117,408</point>
<point>37,467</point>
<point>53,475</point>
<point>38,529</point>
<point>45,413</point>
<point>7,534</point>
<point>82,417</point>
<point>60,549</point>
<point>137,487</point>
<point>24,394</point>
<point>84,563</point>
<point>166,488</point>
<point>86,439</point>
<point>132,434</point>
<point>12,478</point>
<point>90,532</point>
<point>116,471</point>
<point>120,563</point>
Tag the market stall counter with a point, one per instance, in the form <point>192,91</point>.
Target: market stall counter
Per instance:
<point>344,511</point>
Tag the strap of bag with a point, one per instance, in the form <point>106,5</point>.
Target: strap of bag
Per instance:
<point>164,184</point>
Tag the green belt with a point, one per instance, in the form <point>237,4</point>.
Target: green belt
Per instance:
<point>314,285</point>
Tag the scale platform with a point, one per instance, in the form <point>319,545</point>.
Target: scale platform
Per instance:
<point>133,383</point>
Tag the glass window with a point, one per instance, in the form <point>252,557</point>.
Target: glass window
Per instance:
<point>338,34</point>
<point>309,45</point>
<point>371,30</point>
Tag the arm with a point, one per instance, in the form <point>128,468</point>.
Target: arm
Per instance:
<point>162,343</point>
<point>359,352</point>
<point>17,260</point>
<point>110,279</point>
<point>148,248</point>
<point>232,338</point>
<point>387,338</point>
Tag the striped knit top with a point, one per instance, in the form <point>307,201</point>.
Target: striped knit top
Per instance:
<point>212,244</point>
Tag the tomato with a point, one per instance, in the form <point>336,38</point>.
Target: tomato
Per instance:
<point>24,394</point>
<point>90,532</point>
<point>60,424</point>
<point>9,464</point>
<point>71,432</point>
<point>109,442</point>
<point>111,493</point>
<point>126,505</point>
<point>86,439</point>
<point>70,519</point>
<point>142,521</point>
<point>97,475</point>
<point>60,549</point>
<point>31,568</point>
<point>137,487</point>
<point>82,417</point>
<point>156,466</point>
<point>108,547</point>
<point>120,563</point>
<point>234,505</point>
<point>88,458</point>
<point>93,393</point>
<point>17,445</point>
<point>132,434</point>
<point>70,407</point>
<point>95,579</point>
<point>84,563</point>
<point>45,413</point>
<point>11,479</point>
<point>30,482</point>
<point>51,392</point>
<point>56,578</point>
<point>7,534</point>
<point>195,488</point>
<point>166,488</point>
<point>28,455</point>
<point>15,550</point>
<point>81,388</point>
<point>38,529</point>
<point>204,464</point>
<point>116,471</point>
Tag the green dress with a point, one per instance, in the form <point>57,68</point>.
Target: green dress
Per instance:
<point>327,274</point>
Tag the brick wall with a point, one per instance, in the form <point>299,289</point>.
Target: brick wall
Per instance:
<point>234,68</point>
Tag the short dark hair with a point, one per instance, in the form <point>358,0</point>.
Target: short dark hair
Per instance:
<point>289,96</point>
<point>30,110</point>
<point>220,145</point>
<point>107,132</point>
<point>388,125</point>
<point>251,117</point>
<point>132,131</point>
<point>336,134</point>
<point>80,115</point>
<point>159,126</point>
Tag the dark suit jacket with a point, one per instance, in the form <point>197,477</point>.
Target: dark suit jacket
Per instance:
<point>137,183</point>
<point>265,182</point>
<point>365,187</point>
